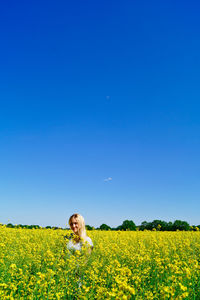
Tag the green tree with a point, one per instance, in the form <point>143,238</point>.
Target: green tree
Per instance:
<point>88,227</point>
<point>10,225</point>
<point>181,225</point>
<point>127,225</point>
<point>105,227</point>
<point>143,225</point>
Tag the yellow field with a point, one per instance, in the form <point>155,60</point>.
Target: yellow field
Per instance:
<point>34,264</point>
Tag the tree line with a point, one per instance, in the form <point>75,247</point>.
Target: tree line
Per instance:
<point>156,225</point>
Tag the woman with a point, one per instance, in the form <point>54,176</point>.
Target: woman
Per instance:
<point>79,237</point>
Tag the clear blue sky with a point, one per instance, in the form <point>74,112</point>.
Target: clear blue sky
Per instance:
<point>99,111</point>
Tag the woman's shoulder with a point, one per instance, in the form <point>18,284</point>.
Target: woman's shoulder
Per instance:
<point>89,241</point>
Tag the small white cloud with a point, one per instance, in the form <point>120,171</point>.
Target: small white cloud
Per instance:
<point>108,97</point>
<point>108,179</point>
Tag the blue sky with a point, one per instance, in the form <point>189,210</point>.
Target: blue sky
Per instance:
<point>99,111</point>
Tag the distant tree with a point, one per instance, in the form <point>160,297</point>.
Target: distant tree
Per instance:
<point>156,225</point>
<point>88,227</point>
<point>181,225</point>
<point>159,225</point>
<point>118,228</point>
<point>10,225</point>
<point>19,226</point>
<point>105,227</point>
<point>48,227</point>
<point>164,225</point>
<point>127,225</point>
<point>35,226</point>
<point>143,225</point>
<point>169,226</point>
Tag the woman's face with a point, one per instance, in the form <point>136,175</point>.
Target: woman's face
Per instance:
<point>74,225</point>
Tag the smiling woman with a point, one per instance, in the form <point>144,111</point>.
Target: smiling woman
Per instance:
<point>79,236</point>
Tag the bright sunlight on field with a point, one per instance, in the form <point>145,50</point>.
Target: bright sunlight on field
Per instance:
<point>35,264</point>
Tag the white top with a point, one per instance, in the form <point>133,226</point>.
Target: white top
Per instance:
<point>77,246</point>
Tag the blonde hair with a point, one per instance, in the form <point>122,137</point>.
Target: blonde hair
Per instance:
<point>81,222</point>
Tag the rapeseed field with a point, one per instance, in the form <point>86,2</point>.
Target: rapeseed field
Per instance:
<point>35,264</point>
